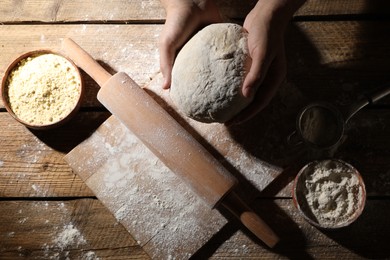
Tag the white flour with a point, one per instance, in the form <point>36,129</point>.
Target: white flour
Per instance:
<point>332,191</point>
<point>156,207</point>
<point>69,236</point>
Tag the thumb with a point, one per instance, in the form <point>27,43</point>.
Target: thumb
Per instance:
<point>256,74</point>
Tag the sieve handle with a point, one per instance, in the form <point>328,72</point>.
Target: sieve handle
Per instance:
<point>369,98</point>
<point>293,139</point>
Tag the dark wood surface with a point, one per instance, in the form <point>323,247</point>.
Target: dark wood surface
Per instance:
<point>336,51</point>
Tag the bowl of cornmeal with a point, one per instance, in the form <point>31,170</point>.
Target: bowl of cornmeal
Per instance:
<point>42,89</point>
<point>329,194</point>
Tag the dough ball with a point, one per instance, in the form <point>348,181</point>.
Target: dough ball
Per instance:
<point>209,72</point>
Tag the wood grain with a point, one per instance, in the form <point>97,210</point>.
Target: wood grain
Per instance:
<point>151,11</point>
<point>327,55</point>
<point>363,239</point>
<point>44,221</point>
<point>151,202</point>
<point>129,48</point>
<point>60,229</point>
<point>336,50</point>
<point>354,55</point>
<point>32,163</point>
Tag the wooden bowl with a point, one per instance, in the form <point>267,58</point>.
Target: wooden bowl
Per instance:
<point>329,194</point>
<point>73,108</point>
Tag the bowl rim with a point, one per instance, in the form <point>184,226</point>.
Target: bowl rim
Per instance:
<point>4,89</point>
<point>355,215</point>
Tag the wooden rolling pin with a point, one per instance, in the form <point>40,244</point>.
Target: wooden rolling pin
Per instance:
<point>169,141</point>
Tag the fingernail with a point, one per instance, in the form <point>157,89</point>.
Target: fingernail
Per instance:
<point>165,83</point>
<point>247,92</point>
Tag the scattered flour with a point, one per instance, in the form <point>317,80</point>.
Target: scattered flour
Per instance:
<point>23,220</point>
<point>39,190</point>
<point>156,207</point>
<point>122,213</point>
<point>69,236</point>
<point>332,192</point>
<point>89,256</point>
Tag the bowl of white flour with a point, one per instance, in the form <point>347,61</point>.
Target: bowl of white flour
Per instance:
<point>329,193</point>
<point>42,89</point>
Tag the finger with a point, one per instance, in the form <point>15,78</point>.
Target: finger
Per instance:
<point>177,30</point>
<point>167,56</point>
<point>274,78</point>
<point>167,49</point>
<point>256,72</point>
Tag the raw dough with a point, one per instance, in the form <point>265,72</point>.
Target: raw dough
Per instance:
<point>209,72</point>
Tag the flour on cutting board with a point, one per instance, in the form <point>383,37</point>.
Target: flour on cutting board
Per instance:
<point>160,211</point>
<point>151,202</point>
<point>258,172</point>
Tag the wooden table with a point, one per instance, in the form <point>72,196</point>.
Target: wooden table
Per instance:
<point>337,50</point>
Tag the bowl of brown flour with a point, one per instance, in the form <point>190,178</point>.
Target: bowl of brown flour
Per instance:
<point>329,194</point>
<point>42,89</point>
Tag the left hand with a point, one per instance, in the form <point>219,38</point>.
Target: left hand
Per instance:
<point>184,18</point>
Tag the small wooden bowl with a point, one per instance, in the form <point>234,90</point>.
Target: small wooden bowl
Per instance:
<point>5,96</point>
<point>307,212</point>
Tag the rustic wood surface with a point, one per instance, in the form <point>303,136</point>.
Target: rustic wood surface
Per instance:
<point>337,49</point>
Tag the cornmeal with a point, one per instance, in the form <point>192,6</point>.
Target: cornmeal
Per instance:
<point>43,89</point>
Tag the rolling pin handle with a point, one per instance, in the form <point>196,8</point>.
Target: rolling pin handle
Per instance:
<point>250,219</point>
<point>85,61</point>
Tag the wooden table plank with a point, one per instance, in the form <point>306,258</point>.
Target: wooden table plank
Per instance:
<point>31,163</point>
<point>74,229</point>
<point>152,11</point>
<point>112,52</point>
<point>327,55</point>
<point>32,160</point>
<point>336,49</point>
<point>342,60</point>
<point>337,8</point>
<point>363,239</point>
<point>129,48</point>
<point>97,233</point>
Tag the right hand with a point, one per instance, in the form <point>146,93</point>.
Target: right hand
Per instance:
<point>184,18</point>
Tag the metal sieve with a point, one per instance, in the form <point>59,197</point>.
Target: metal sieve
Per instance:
<point>321,124</point>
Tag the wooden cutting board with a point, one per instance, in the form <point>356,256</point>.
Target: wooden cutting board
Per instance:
<point>166,218</point>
